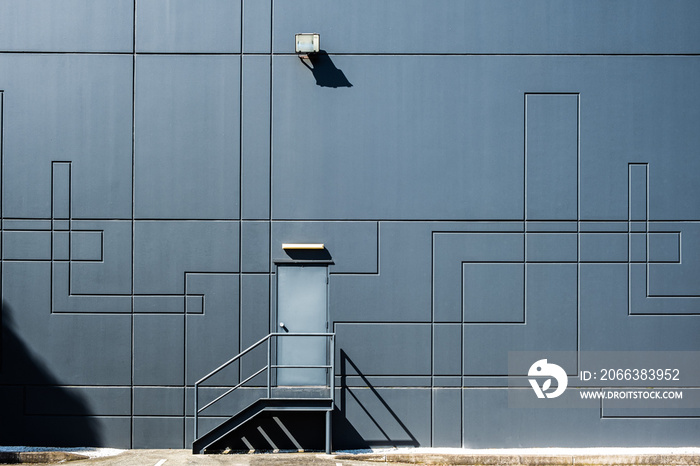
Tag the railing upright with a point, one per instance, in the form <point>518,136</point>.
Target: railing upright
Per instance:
<point>331,355</point>
<point>196,413</point>
<point>269,372</point>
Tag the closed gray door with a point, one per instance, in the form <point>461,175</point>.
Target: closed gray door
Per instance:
<point>302,308</point>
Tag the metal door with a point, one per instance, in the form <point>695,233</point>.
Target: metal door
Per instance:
<point>302,307</point>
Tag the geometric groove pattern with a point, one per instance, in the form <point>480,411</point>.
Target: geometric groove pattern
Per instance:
<point>487,281</point>
<point>82,245</point>
<point>65,246</point>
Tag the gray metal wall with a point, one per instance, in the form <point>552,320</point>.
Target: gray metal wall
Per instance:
<point>487,175</point>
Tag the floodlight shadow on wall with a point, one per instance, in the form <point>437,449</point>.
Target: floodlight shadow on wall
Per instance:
<point>308,47</point>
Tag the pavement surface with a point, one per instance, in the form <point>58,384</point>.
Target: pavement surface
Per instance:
<point>512,457</point>
<point>185,457</point>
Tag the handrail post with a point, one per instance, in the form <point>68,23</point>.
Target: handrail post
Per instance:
<point>196,410</point>
<point>329,430</point>
<point>332,364</point>
<point>329,414</point>
<point>269,362</point>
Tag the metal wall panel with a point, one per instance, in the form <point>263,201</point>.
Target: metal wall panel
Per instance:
<point>257,26</point>
<point>187,119</point>
<point>180,26</point>
<point>255,136</point>
<point>181,247</point>
<point>68,108</point>
<point>488,26</point>
<point>66,26</point>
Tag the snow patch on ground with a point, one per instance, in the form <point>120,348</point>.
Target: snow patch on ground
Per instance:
<point>91,452</point>
<point>533,451</point>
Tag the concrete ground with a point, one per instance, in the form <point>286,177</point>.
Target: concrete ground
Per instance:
<point>514,457</point>
<point>185,457</point>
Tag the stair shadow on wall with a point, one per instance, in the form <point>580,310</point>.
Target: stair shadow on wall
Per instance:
<point>374,407</point>
<point>59,417</point>
<point>325,71</point>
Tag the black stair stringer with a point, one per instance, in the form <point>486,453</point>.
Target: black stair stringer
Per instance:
<point>252,411</point>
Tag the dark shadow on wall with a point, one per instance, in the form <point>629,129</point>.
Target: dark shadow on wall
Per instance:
<point>34,409</point>
<point>311,255</point>
<point>324,70</point>
<point>382,416</point>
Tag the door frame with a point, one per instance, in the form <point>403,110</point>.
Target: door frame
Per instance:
<point>274,317</point>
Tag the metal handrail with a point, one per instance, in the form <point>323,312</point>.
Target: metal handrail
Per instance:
<point>230,390</point>
<point>268,367</point>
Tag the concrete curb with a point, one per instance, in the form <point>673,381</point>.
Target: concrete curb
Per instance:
<point>523,460</point>
<point>19,457</point>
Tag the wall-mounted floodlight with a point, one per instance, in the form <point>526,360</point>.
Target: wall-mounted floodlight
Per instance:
<point>287,246</point>
<point>307,43</point>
